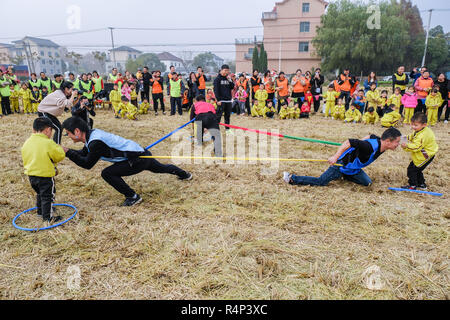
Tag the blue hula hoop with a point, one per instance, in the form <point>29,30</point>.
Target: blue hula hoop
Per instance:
<point>49,227</point>
<point>418,191</point>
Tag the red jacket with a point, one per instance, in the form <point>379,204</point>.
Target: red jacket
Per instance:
<point>305,108</point>
<point>309,98</point>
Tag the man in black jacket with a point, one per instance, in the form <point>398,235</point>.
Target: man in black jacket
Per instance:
<point>124,154</point>
<point>223,85</point>
<point>146,76</point>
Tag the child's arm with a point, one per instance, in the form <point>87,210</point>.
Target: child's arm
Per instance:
<point>56,153</point>
<point>413,146</point>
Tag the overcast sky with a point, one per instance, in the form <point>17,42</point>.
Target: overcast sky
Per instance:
<point>47,17</point>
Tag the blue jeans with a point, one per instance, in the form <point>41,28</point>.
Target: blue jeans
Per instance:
<point>333,173</point>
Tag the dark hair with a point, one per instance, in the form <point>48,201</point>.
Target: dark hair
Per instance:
<point>255,70</point>
<point>199,68</point>
<point>75,123</point>
<point>371,109</point>
<point>225,66</point>
<point>281,72</point>
<point>33,74</point>
<point>200,97</point>
<point>391,134</point>
<point>171,67</point>
<point>124,98</point>
<point>392,106</point>
<point>384,91</point>
<point>420,118</point>
<point>71,74</point>
<point>298,70</point>
<point>41,123</point>
<point>266,73</point>
<point>65,84</point>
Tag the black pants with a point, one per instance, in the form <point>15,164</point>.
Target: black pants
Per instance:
<point>247,106</point>
<point>415,174</point>
<point>45,195</point>
<point>225,109</point>
<point>441,109</point>
<point>317,104</point>
<point>420,106</point>
<point>175,104</point>
<point>6,107</point>
<point>56,126</point>
<point>209,121</point>
<point>270,96</point>
<point>145,93</point>
<point>113,174</point>
<point>202,91</point>
<point>156,97</point>
<point>346,95</point>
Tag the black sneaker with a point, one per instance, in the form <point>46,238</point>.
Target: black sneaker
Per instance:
<point>129,202</point>
<point>422,186</point>
<point>408,187</point>
<point>54,219</point>
<point>187,178</point>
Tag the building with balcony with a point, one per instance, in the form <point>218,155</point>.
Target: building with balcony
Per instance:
<point>288,31</point>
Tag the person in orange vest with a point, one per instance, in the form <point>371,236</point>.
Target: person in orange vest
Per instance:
<point>282,88</point>
<point>423,86</point>
<point>255,81</point>
<point>346,82</point>
<point>201,78</point>
<point>270,86</point>
<point>299,85</point>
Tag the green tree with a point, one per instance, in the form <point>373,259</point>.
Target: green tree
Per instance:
<point>206,61</point>
<point>149,60</point>
<point>345,40</point>
<point>255,58</point>
<point>262,59</point>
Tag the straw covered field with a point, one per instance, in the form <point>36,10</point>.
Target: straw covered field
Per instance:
<point>234,231</point>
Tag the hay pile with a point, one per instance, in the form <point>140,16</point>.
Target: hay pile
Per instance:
<point>233,232</point>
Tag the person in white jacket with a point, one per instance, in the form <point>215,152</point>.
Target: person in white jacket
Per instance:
<point>53,105</point>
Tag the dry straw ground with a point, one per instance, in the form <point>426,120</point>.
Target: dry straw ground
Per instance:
<point>232,232</point>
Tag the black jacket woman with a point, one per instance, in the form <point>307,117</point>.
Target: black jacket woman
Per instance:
<point>443,83</point>
<point>193,85</point>
<point>316,88</point>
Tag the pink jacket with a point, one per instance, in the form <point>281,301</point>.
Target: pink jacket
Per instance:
<point>126,91</point>
<point>204,107</point>
<point>242,97</point>
<point>410,100</point>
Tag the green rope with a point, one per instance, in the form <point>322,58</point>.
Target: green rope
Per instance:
<point>313,140</point>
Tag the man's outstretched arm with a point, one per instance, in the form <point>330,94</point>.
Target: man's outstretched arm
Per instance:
<point>344,147</point>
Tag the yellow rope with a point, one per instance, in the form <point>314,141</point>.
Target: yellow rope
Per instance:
<point>236,159</point>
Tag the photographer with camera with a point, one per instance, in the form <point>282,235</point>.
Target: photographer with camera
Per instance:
<point>82,110</point>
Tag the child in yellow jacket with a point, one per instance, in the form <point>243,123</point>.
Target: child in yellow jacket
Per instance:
<point>423,148</point>
<point>257,109</point>
<point>40,154</point>
<point>433,102</point>
<point>353,114</point>
<point>330,100</point>
<point>144,107</point>
<point>294,111</point>
<point>373,96</point>
<point>36,98</point>
<point>284,112</point>
<point>25,95</point>
<point>261,95</point>
<point>269,110</point>
<point>370,117</point>
<point>339,110</point>
<point>132,111</point>
<point>391,117</point>
<point>133,95</point>
<point>115,97</point>
<point>396,98</point>
<point>14,99</point>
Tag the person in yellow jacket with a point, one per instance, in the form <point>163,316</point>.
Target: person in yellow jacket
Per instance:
<point>373,96</point>
<point>25,95</point>
<point>353,115</point>
<point>132,111</point>
<point>261,95</point>
<point>284,112</point>
<point>257,110</point>
<point>115,97</point>
<point>330,100</point>
<point>123,109</point>
<point>370,117</point>
<point>143,109</point>
<point>269,110</point>
<point>339,110</point>
<point>14,99</point>
<point>391,117</point>
<point>133,95</point>
<point>423,148</point>
<point>433,102</point>
<point>36,98</point>
<point>294,111</point>
<point>40,154</point>
<point>396,98</point>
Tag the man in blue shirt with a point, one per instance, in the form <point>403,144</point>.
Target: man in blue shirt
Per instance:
<point>353,155</point>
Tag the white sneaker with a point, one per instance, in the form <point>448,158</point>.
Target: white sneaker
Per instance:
<point>287,177</point>
<point>445,121</point>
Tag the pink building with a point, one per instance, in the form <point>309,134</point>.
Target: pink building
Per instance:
<point>288,31</point>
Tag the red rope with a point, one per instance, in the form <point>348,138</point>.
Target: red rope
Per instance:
<point>252,130</point>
